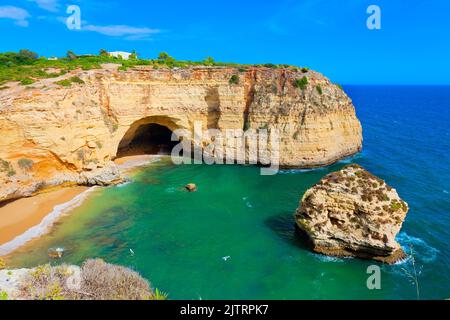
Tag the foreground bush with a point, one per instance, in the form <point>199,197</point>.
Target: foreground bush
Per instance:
<point>97,280</point>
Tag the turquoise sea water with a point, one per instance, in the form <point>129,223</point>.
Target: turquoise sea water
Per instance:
<point>235,239</point>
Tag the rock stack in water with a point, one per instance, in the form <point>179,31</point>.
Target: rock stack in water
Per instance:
<point>191,187</point>
<point>353,213</point>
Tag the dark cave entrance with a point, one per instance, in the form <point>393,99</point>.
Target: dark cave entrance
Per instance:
<point>148,138</point>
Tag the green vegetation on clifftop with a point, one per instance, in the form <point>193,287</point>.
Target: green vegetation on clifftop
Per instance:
<point>27,67</point>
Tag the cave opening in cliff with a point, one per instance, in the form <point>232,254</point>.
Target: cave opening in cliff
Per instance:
<point>150,138</point>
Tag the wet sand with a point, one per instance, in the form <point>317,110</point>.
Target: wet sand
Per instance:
<point>128,163</point>
<point>19,216</point>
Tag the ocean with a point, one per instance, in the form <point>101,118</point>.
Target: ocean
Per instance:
<point>235,238</point>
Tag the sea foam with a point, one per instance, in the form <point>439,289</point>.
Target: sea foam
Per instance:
<point>422,250</point>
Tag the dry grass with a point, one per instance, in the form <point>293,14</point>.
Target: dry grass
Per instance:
<point>98,281</point>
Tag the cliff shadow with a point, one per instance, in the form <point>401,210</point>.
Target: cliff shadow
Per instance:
<point>283,225</point>
<point>212,99</point>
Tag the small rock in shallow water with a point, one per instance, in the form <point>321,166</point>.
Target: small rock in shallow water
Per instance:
<point>191,187</point>
<point>353,213</point>
<point>55,253</point>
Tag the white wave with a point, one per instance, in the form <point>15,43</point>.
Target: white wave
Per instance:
<point>125,183</point>
<point>351,159</point>
<point>324,258</point>
<point>44,226</point>
<point>422,250</point>
<point>343,161</point>
<point>445,191</point>
<point>297,171</point>
<point>171,190</point>
<point>247,203</point>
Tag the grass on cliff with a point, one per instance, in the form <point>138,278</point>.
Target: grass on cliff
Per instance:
<point>301,83</point>
<point>5,166</point>
<point>96,280</point>
<point>68,82</point>
<point>27,67</point>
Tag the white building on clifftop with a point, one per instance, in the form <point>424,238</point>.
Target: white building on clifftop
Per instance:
<point>118,54</point>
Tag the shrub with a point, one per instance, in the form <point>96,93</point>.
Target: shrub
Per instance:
<point>5,166</point>
<point>270,65</point>
<point>234,79</point>
<point>98,281</point>
<point>81,154</point>
<point>133,55</point>
<point>71,56</point>
<point>2,264</point>
<point>319,89</point>
<point>68,82</point>
<point>76,80</point>
<point>339,86</point>
<point>25,164</point>
<point>3,296</point>
<point>159,295</point>
<point>301,83</point>
<point>164,56</point>
<point>26,81</point>
<point>395,205</point>
<point>28,54</point>
<point>209,61</point>
<point>109,282</point>
<point>304,70</point>
<point>64,83</point>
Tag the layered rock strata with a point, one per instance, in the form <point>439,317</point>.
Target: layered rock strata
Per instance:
<point>353,213</point>
<point>52,135</point>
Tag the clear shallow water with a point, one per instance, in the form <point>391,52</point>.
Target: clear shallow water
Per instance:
<point>180,238</point>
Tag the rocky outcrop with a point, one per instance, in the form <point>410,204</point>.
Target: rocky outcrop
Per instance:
<point>51,134</point>
<point>191,187</point>
<point>353,213</point>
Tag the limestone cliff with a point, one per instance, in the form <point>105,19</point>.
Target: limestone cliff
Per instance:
<point>50,134</point>
<point>353,213</point>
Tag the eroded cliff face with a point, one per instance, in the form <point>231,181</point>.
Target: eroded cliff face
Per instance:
<point>50,135</point>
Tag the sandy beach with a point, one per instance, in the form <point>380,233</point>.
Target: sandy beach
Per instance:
<point>23,219</point>
<point>19,216</point>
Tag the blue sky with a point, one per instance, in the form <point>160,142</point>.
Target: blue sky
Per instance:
<point>412,47</point>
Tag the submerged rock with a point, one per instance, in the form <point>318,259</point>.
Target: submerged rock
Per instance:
<point>55,253</point>
<point>191,187</point>
<point>353,213</point>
